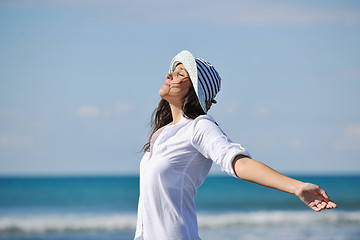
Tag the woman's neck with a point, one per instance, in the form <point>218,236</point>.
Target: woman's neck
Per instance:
<point>176,113</point>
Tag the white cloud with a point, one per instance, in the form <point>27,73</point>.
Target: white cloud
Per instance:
<point>271,143</point>
<point>233,108</point>
<point>294,143</point>
<point>8,140</point>
<point>352,131</point>
<point>94,111</point>
<point>262,111</point>
<point>350,139</point>
<point>121,108</point>
<point>88,111</point>
<point>226,110</point>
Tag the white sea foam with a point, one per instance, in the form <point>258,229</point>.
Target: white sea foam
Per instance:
<point>67,223</point>
<point>265,218</point>
<point>126,222</point>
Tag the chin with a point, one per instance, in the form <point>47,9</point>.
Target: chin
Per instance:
<point>164,92</point>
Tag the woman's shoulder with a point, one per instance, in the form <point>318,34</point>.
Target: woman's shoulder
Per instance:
<point>205,127</point>
<point>204,117</point>
<point>204,121</point>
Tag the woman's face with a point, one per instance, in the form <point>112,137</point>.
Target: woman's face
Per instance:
<point>176,86</point>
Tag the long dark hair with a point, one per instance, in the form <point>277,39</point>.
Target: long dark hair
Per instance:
<point>162,114</point>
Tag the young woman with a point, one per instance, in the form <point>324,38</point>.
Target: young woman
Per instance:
<point>181,148</point>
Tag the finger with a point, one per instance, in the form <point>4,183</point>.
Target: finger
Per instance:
<point>322,205</point>
<point>328,206</point>
<point>323,193</point>
<point>318,205</point>
<point>331,205</point>
<point>315,208</point>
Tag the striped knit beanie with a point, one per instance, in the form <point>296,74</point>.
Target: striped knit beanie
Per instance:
<point>205,79</point>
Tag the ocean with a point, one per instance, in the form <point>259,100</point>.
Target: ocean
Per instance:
<point>104,208</point>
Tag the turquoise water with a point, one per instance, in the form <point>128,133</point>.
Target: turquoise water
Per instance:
<point>228,208</point>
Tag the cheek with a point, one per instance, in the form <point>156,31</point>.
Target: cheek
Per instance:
<point>179,90</point>
<point>183,93</point>
<point>187,87</point>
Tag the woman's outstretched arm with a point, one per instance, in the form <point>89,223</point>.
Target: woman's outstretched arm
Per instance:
<point>257,172</point>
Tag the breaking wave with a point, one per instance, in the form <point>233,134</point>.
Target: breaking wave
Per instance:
<point>127,222</point>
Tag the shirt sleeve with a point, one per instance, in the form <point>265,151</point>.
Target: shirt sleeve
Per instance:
<point>213,144</point>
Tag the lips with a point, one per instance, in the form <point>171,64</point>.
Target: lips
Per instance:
<point>166,83</point>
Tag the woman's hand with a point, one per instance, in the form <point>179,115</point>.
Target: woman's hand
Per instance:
<point>314,197</point>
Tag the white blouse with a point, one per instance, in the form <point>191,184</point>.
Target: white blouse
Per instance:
<point>179,160</point>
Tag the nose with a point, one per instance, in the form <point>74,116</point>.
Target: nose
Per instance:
<point>169,76</point>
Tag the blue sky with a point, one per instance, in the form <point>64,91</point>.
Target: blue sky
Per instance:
<point>79,80</point>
